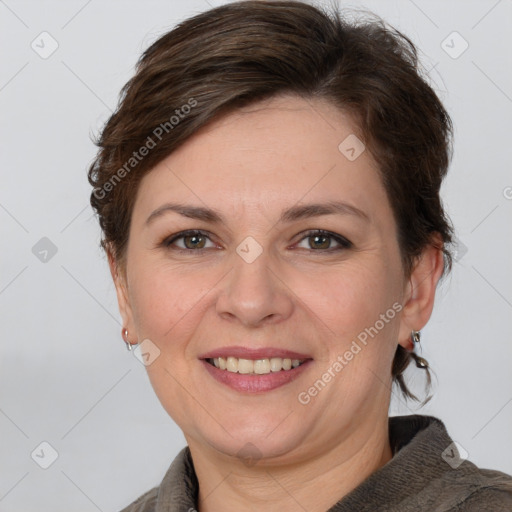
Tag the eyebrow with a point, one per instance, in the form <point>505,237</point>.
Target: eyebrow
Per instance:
<point>292,214</point>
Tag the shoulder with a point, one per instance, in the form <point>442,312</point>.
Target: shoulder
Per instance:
<point>144,503</point>
<point>487,490</point>
<point>436,476</point>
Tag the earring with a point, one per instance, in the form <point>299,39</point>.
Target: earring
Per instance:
<point>420,362</point>
<point>124,334</point>
<point>413,339</point>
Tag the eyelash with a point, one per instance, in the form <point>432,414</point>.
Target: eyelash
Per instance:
<point>343,242</point>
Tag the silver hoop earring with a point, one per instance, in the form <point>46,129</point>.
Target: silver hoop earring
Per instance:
<point>415,337</point>
<point>124,334</point>
<point>420,362</point>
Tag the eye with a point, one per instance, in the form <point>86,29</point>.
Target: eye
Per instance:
<point>320,240</point>
<point>193,240</point>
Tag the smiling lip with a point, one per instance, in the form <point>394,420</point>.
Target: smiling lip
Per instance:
<point>251,383</point>
<point>253,353</point>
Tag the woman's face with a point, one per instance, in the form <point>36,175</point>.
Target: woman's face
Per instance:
<point>260,284</point>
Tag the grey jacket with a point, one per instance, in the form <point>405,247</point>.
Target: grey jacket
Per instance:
<point>426,473</point>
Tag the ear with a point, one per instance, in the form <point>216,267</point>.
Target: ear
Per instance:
<point>120,282</point>
<point>420,291</point>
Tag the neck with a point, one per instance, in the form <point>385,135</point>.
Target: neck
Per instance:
<point>314,484</point>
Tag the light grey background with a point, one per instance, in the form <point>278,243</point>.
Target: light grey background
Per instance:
<point>66,377</point>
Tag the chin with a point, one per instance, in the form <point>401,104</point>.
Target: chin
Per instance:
<point>252,449</point>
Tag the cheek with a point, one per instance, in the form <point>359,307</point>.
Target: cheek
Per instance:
<point>168,306</point>
<point>360,306</point>
<point>350,299</point>
<point>170,301</point>
<point>342,301</point>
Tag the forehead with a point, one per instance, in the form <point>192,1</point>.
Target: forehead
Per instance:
<point>271,154</point>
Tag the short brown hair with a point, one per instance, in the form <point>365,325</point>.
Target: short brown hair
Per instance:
<point>244,52</point>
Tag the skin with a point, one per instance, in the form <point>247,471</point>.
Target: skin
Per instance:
<point>250,166</point>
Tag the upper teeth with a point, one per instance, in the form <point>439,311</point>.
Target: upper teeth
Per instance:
<point>258,366</point>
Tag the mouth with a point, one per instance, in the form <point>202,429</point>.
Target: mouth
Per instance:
<point>255,366</point>
<point>252,370</point>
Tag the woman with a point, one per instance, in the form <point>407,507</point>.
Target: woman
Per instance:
<point>268,191</point>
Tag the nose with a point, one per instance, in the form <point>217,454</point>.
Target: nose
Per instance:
<point>254,293</point>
